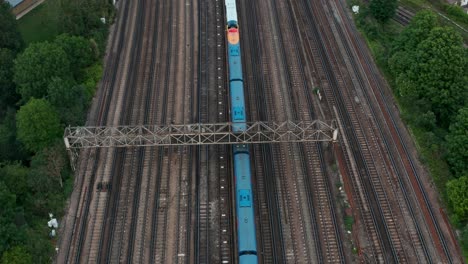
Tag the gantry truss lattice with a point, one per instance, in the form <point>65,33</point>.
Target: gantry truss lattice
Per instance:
<point>77,138</point>
<point>198,134</point>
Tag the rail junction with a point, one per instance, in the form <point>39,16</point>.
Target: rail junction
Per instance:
<point>165,193</point>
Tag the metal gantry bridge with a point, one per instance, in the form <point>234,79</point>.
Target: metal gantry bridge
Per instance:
<point>77,138</point>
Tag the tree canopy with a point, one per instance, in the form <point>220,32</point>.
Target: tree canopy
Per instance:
<point>36,66</point>
<point>15,176</point>
<point>38,124</point>
<point>79,51</point>
<point>457,143</point>
<point>416,31</point>
<point>458,196</point>
<point>10,148</point>
<point>42,87</point>
<point>7,214</point>
<point>8,93</point>
<point>16,255</point>
<point>440,72</point>
<point>431,73</point>
<point>383,10</point>
<point>69,100</point>
<point>82,18</point>
<point>10,38</point>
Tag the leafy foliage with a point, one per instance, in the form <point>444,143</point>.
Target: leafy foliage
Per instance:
<point>457,143</point>
<point>15,176</point>
<point>55,81</point>
<point>456,12</point>
<point>10,37</point>
<point>383,10</point>
<point>38,124</point>
<point>80,18</point>
<point>8,230</point>
<point>36,67</point>
<point>425,65</point>
<point>91,77</point>
<point>10,148</point>
<point>458,196</point>
<point>16,255</point>
<point>52,162</point>
<point>39,244</point>
<point>79,51</point>
<point>417,31</point>
<point>439,72</point>
<point>8,93</point>
<point>83,18</point>
<point>429,69</point>
<point>69,100</point>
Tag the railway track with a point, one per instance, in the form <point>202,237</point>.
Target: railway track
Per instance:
<point>117,244</point>
<point>117,241</point>
<point>269,232</point>
<point>385,192</point>
<point>378,217</point>
<point>296,199</point>
<point>283,231</point>
<point>403,16</point>
<point>88,180</point>
<point>401,196</point>
<point>392,135</point>
<point>138,205</point>
<point>318,194</point>
<point>116,221</point>
<point>214,235</point>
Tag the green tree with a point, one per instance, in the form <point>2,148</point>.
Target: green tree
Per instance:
<point>416,31</point>
<point>458,196</point>
<point>36,66</point>
<point>457,143</point>
<point>10,148</point>
<point>52,161</point>
<point>15,176</point>
<point>10,37</point>
<point>38,124</point>
<point>432,76</point>
<point>81,18</point>
<point>383,10</point>
<point>79,51</point>
<point>7,215</point>
<point>439,72</point>
<point>16,255</point>
<point>69,100</point>
<point>404,45</point>
<point>39,245</point>
<point>7,86</point>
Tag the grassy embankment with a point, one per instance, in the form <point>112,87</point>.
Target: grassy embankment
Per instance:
<point>40,24</point>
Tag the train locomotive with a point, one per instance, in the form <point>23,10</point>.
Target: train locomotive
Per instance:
<point>246,234</point>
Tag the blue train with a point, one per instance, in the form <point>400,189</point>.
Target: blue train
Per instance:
<point>246,235</point>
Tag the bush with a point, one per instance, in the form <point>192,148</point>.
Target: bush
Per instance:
<point>38,124</point>
<point>348,222</point>
<point>92,75</point>
<point>457,13</point>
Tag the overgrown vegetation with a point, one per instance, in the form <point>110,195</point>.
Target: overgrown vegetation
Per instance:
<point>348,222</point>
<point>383,10</point>
<point>452,13</point>
<point>425,63</point>
<point>44,87</point>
